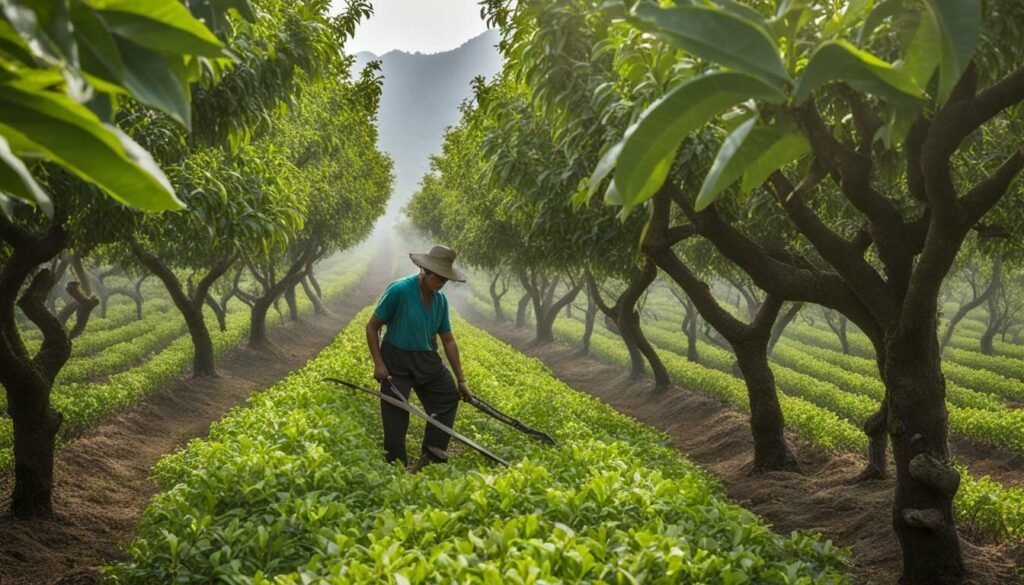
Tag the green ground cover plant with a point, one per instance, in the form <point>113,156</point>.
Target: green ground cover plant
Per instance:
<point>981,502</point>
<point>84,403</point>
<point>294,489</point>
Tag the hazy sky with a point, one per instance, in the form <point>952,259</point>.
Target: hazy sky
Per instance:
<point>427,26</point>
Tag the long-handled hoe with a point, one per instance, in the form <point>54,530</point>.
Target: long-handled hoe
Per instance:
<point>478,403</point>
<point>401,402</point>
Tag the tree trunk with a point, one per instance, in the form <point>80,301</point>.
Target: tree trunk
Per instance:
<point>138,297</point>
<point>521,308</point>
<point>318,306</point>
<point>997,271</point>
<point>841,332</point>
<point>35,436</point>
<point>258,321</point>
<point>202,344</point>
<point>218,311</point>
<point>986,343</point>
<point>689,325</point>
<point>925,480</point>
<point>631,324</point>
<point>273,289</point>
<point>691,338</point>
<point>499,314</point>
<point>636,357</point>
<point>190,306</point>
<point>749,341</point>
<point>780,325</point>
<point>316,284</point>
<point>771,450</point>
<point>293,307</point>
<point>547,316</point>
<point>588,324</point>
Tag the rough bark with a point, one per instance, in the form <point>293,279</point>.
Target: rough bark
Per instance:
<point>925,480</point>
<point>839,324</point>
<point>689,325</point>
<point>28,379</point>
<point>546,306</point>
<point>588,324</point>
<point>771,450</point>
<point>189,304</point>
<point>273,288</point>
<point>976,301</point>
<point>218,311</point>
<point>521,308</point>
<point>749,341</point>
<point>289,299</point>
<point>627,318</point>
<point>780,325</point>
<point>314,299</point>
<point>496,295</point>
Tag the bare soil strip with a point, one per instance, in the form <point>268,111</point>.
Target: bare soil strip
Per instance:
<point>717,437</point>
<point>102,478</point>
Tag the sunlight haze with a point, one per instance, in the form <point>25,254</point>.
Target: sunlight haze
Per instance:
<point>427,26</point>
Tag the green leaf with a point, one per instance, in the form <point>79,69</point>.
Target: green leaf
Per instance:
<point>149,77</point>
<point>213,13</point>
<point>881,11</point>
<point>855,10</point>
<point>783,145</point>
<point>716,35</point>
<point>161,25</point>
<point>726,168</point>
<point>641,168</point>
<point>924,51</point>
<point>97,50</point>
<point>50,124</point>
<point>12,43</point>
<point>841,61</point>
<point>603,168</point>
<point>960,24</point>
<point>16,180</point>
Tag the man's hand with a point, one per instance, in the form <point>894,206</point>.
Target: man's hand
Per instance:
<point>464,392</point>
<point>380,373</point>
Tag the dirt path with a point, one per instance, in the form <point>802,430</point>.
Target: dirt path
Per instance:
<point>102,478</point>
<point>717,437</point>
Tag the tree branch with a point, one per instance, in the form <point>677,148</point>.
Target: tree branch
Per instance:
<point>842,255</point>
<point>85,302</point>
<point>56,347</point>
<point>986,193</point>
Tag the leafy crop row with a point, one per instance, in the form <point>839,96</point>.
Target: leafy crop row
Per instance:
<point>84,403</point>
<point>821,426</point>
<point>295,490</point>
<point>980,502</point>
<point>94,341</point>
<point>1005,366</point>
<point>964,386</point>
<point>162,330</point>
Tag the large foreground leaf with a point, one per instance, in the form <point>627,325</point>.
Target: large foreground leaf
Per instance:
<point>16,182</point>
<point>151,79</point>
<point>716,35</point>
<point>53,126</point>
<point>751,153</point>
<point>959,22</point>
<point>841,61</point>
<point>650,145</point>
<point>161,25</point>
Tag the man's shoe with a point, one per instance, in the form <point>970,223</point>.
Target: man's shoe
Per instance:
<point>431,455</point>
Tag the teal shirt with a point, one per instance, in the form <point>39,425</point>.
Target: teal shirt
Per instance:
<point>411,326</point>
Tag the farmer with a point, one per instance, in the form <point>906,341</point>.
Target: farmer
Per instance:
<point>415,310</point>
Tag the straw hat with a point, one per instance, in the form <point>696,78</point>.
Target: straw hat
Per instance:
<point>439,261</point>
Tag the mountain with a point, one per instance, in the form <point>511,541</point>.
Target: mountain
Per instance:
<point>422,93</point>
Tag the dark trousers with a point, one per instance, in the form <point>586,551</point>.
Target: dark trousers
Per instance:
<point>424,372</point>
